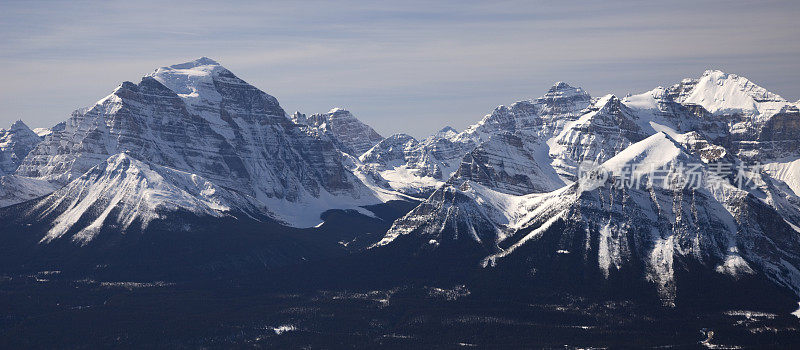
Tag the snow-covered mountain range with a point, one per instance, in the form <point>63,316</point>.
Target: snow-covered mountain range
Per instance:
<point>507,198</point>
<point>195,138</point>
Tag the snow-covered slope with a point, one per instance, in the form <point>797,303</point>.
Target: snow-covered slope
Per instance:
<point>722,93</point>
<point>467,212</point>
<point>42,132</point>
<point>123,191</point>
<point>17,189</point>
<point>351,134</point>
<point>787,171</point>
<point>391,162</point>
<point>509,163</point>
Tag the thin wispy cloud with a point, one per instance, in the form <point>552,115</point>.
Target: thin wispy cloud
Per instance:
<point>428,64</point>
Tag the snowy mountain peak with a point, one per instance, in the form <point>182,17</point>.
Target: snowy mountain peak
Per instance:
<point>606,100</point>
<point>606,127</point>
<point>446,132</point>
<point>203,84</point>
<point>714,72</point>
<point>562,100</point>
<point>19,125</point>
<point>15,143</point>
<point>607,104</point>
<point>562,90</point>
<point>185,78</point>
<point>657,150</point>
<point>648,100</point>
<point>447,129</point>
<point>200,62</point>
<point>724,93</point>
<point>353,136</point>
<point>201,119</point>
<point>560,85</point>
<point>190,79</point>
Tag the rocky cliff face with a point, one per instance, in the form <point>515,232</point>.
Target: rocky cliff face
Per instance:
<point>353,136</point>
<point>509,163</point>
<point>606,128</point>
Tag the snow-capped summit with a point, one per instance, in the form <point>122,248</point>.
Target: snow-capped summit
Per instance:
<point>354,136</point>
<point>203,82</point>
<point>202,61</point>
<point>563,91</point>
<point>658,151</point>
<point>183,77</point>
<point>562,101</point>
<point>447,132</point>
<point>724,111</point>
<point>390,150</point>
<point>647,100</point>
<point>15,143</point>
<point>19,125</point>
<point>723,93</point>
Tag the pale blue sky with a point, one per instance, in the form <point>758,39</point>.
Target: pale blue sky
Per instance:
<point>400,66</point>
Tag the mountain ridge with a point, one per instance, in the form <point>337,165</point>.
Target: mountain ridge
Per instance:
<point>194,139</point>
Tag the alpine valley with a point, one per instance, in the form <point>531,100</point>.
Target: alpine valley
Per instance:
<point>192,194</point>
